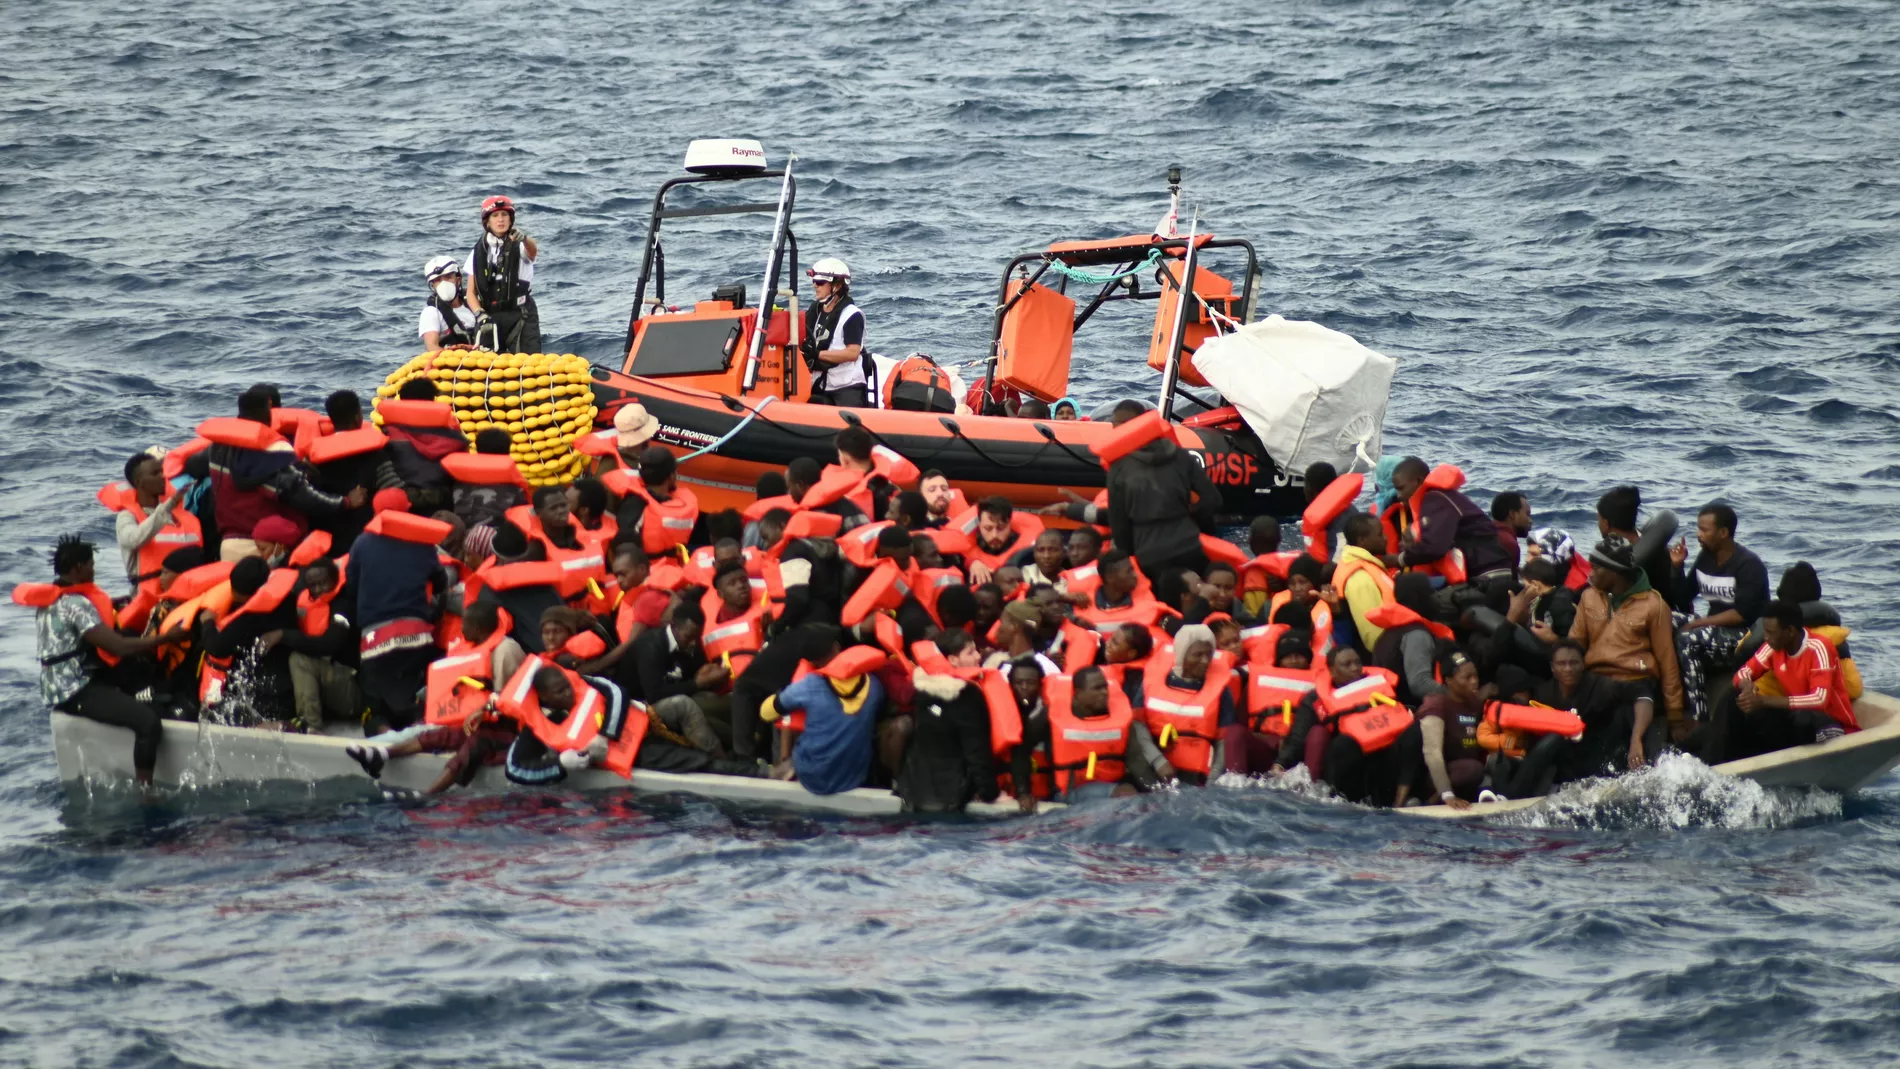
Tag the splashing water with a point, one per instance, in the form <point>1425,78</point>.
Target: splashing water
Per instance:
<point>1677,791</point>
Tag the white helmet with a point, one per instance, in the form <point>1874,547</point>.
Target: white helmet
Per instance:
<point>441,266</point>
<point>830,269</point>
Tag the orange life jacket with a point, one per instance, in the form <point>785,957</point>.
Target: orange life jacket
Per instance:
<point>882,591</point>
<point>1366,710</point>
<point>1186,723</point>
<point>1080,645</point>
<point>313,613</point>
<point>623,610</point>
<point>1225,552</point>
<point>239,433</point>
<point>1144,611</point>
<point>1272,694</point>
<point>1131,436</point>
<point>461,681</point>
<point>737,640</point>
<point>44,595</point>
<point>301,425</point>
<point>1006,721</point>
<point>174,463</point>
<point>182,530</point>
<point>1534,719</point>
<point>582,724</point>
<point>408,527</point>
<point>756,511</point>
<point>1087,579</point>
<point>894,466</point>
<point>930,585</point>
<point>1392,614</point>
<point>578,566</point>
<point>1452,565</point>
<point>1255,573</point>
<point>333,447</point>
<point>1085,749</point>
<point>215,670</point>
<point>1024,529</point>
<point>483,469</point>
<point>1320,513</point>
<point>839,483</point>
<point>1352,566</point>
<point>668,523</point>
<point>419,414</point>
<point>859,545</point>
<point>1322,614</point>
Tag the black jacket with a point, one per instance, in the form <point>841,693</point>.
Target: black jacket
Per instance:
<point>656,669</point>
<point>1160,502</point>
<point>949,760</point>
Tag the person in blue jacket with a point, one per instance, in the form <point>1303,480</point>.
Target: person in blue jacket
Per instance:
<point>841,702</point>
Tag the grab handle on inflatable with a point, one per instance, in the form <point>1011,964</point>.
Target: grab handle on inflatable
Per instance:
<point>1090,774</point>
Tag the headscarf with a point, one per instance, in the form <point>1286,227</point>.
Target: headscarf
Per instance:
<point>1185,639</point>
<point>1383,495</point>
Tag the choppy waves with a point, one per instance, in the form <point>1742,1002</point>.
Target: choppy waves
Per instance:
<point>1653,244</point>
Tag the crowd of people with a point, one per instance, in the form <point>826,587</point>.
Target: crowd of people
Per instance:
<point>863,624</point>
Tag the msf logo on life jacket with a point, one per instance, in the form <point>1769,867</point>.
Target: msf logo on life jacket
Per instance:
<point>1228,469</point>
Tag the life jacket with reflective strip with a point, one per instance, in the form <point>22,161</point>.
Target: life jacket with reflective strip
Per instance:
<point>1260,642</point>
<point>894,466</point>
<point>890,636</point>
<point>1146,612</point>
<point>1085,749</point>
<point>882,591</point>
<point>736,640</point>
<point>462,680</point>
<point>1366,710</point>
<point>182,530</point>
<point>1320,513</point>
<point>216,670</point>
<point>1024,529</point>
<point>1080,645</point>
<point>1087,579</point>
<point>1186,723</point>
<point>700,566</point>
<point>582,724</point>
<point>1322,614</point>
<point>1273,694</point>
<point>578,565</point>
<point>45,595</point>
<point>859,545</point>
<point>930,585</point>
<point>668,523</point>
<point>1381,578</point>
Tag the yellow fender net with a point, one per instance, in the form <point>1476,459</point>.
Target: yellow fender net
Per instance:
<point>543,400</point>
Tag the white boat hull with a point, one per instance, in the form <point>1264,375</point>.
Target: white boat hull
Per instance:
<point>200,756</point>
<point>1843,766</point>
<point>207,756</point>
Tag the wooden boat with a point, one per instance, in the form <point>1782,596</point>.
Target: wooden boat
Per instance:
<point>1843,766</point>
<point>209,756</point>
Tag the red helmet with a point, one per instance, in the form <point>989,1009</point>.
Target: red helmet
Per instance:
<point>497,204</point>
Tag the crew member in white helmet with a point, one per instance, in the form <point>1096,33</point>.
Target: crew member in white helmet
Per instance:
<point>500,273</point>
<point>447,319</point>
<point>834,339</point>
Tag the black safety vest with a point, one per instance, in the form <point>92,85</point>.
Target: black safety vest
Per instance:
<point>454,333</point>
<point>497,284</point>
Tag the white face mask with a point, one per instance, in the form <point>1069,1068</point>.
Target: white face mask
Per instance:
<point>445,290</point>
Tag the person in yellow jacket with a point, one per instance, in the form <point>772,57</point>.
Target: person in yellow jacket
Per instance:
<point>1362,579</point>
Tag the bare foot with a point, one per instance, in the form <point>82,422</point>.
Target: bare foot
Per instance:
<point>784,771</point>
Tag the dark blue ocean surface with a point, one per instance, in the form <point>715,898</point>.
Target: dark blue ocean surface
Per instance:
<point>1644,242</point>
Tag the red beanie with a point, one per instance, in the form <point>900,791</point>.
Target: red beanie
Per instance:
<point>394,499</point>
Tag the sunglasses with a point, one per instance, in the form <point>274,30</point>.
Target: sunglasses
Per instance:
<point>820,282</point>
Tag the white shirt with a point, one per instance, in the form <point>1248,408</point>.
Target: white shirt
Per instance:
<point>850,332</point>
<point>431,321</point>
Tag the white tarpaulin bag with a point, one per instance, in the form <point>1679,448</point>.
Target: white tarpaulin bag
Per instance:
<point>1309,392</point>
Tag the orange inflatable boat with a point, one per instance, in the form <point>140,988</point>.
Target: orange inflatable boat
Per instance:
<point>731,394</point>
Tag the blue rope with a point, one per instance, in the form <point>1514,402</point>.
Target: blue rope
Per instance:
<point>1090,278</point>
<point>750,413</point>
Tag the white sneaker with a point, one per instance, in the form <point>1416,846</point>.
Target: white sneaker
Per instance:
<point>1830,733</point>
<point>1488,796</point>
